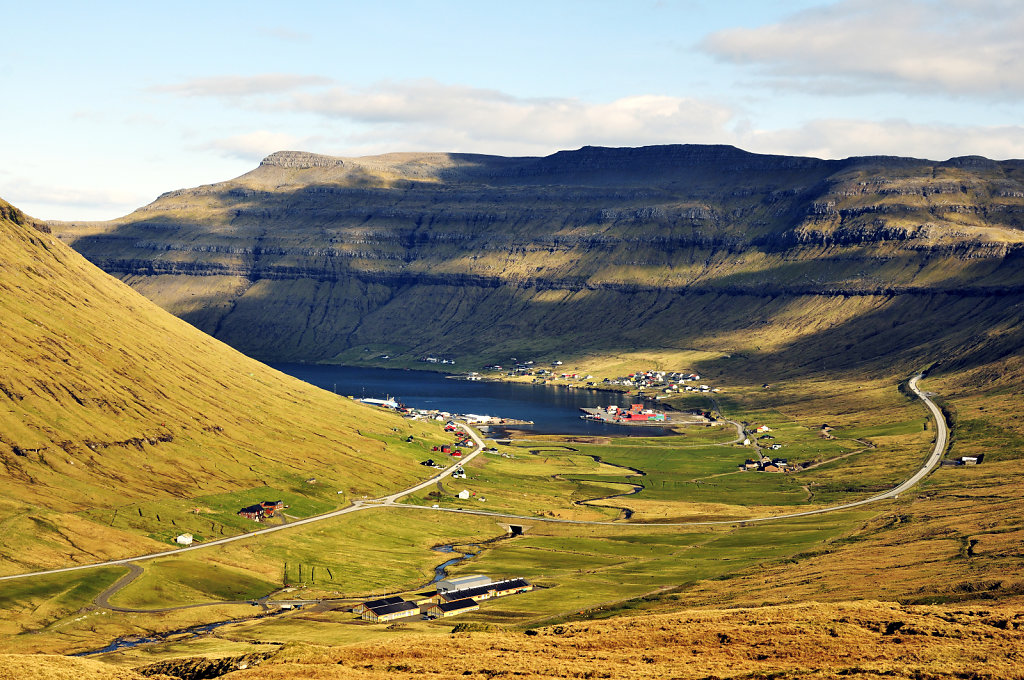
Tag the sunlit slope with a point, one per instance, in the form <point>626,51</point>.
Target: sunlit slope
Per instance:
<point>853,640</point>
<point>107,400</point>
<point>591,251</point>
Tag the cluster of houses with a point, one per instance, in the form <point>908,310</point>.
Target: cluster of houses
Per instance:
<point>614,414</point>
<point>667,381</point>
<point>453,596</point>
<point>431,359</point>
<point>261,511</point>
<point>765,464</point>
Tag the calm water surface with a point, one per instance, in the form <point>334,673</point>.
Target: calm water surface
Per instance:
<point>554,410</point>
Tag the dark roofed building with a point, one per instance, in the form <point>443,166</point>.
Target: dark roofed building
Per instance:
<point>390,612</point>
<point>372,604</point>
<point>511,586</point>
<point>270,507</point>
<point>443,609</point>
<point>478,593</point>
<point>253,512</point>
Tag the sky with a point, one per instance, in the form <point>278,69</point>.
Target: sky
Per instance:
<point>109,104</point>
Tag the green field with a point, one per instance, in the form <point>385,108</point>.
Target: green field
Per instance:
<point>178,581</point>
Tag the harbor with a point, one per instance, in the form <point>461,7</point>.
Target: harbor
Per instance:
<point>533,408</point>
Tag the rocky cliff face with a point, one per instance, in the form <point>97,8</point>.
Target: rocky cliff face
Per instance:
<point>311,257</point>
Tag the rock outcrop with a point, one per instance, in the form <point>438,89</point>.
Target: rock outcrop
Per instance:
<point>300,160</point>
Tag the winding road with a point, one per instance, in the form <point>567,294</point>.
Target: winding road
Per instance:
<point>941,440</point>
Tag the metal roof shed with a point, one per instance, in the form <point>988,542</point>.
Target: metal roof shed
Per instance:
<point>461,582</point>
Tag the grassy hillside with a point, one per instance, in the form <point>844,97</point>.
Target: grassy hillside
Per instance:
<point>121,426</point>
<point>853,640</point>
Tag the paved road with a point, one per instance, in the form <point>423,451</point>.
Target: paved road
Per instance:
<point>355,507</point>
<point>740,434</point>
<point>941,439</point>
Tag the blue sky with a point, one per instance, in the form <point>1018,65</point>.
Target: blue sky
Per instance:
<point>111,103</point>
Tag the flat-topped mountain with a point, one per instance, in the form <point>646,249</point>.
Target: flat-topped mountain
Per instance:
<point>592,251</point>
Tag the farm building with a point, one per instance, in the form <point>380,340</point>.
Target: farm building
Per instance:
<point>460,582</point>
<point>512,586</point>
<point>371,604</point>
<point>253,512</point>
<point>184,539</point>
<point>464,494</point>
<point>270,507</point>
<point>443,609</point>
<point>478,593</point>
<point>390,612</point>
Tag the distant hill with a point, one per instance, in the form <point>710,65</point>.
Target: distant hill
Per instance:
<point>788,261</point>
<point>107,400</point>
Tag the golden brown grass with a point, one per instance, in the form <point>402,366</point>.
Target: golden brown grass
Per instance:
<point>867,639</point>
<point>32,667</point>
<point>809,640</point>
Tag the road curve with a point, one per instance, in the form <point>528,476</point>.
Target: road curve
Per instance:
<point>941,439</point>
<point>355,507</point>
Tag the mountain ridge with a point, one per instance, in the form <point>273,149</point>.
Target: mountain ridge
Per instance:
<point>357,246</point>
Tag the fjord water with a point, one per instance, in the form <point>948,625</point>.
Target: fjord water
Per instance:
<point>553,410</point>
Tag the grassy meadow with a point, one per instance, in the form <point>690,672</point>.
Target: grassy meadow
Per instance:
<point>877,436</point>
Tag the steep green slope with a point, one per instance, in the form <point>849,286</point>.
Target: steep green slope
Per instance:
<point>592,251</point>
<point>108,403</point>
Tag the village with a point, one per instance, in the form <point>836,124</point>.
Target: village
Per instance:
<point>667,382</point>
<point>764,463</point>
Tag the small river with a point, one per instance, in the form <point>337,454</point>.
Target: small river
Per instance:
<point>553,409</point>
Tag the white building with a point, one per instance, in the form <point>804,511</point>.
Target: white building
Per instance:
<point>463,582</point>
<point>184,539</point>
<point>464,494</point>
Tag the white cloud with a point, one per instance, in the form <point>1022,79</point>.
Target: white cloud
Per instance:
<point>838,138</point>
<point>80,202</point>
<point>255,145</point>
<point>425,115</point>
<point>243,86</point>
<point>476,119</point>
<point>948,47</point>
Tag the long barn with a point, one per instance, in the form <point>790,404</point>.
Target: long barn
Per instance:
<point>390,612</point>
<point>439,611</point>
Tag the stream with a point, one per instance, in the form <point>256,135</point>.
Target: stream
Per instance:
<point>130,641</point>
<point>627,513</point>
<point>441,570</point>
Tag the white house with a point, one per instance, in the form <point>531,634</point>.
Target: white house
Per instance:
<point>464,494</point>
<point>184,539</point>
